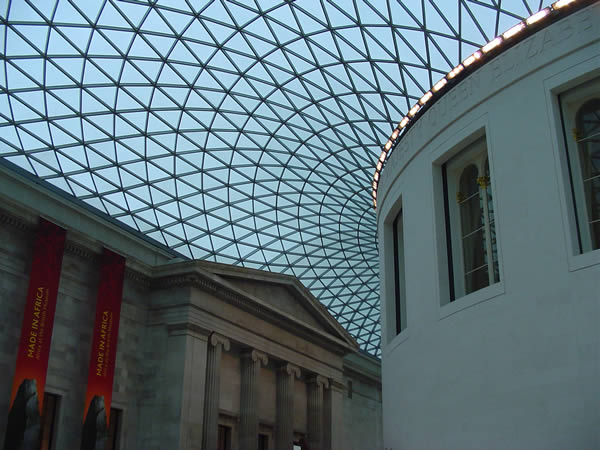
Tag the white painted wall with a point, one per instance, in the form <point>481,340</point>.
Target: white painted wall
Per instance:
<point>517,364</point>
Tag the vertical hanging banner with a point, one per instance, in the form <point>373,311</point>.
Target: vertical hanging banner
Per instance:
<point>24,417</point>
<point>104,351</point>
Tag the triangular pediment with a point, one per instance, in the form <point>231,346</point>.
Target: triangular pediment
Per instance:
<point>282,293</point>
<point>280,297</point>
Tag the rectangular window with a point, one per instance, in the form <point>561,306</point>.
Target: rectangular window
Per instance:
<point>399,278</point>
<point>580,111</point>
<point>263,442</point>
<point>49,416</point>
<point>470,221</point>
<point>114,429</point>
<point>224,439</point>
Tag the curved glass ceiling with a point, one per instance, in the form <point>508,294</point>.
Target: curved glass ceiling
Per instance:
<point>244,132</point>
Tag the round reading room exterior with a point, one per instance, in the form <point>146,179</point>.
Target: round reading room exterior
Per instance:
<point>488,214</point>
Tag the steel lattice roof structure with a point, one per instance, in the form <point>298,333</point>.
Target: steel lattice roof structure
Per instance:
<point>243,132</point>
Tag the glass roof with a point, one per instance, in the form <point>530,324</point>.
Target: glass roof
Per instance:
<point>243,132</point>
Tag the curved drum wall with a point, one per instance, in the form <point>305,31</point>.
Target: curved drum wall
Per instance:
<point>516,364</point>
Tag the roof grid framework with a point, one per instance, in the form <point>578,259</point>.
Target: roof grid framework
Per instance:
<point>238,132</point>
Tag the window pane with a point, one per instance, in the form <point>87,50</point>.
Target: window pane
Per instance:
<point>491,222</point>
<point>468,181</point>
<point>588,143</point>
<point>473,250</point>
<point>399,278</point>
<point>490,197</point>
<point>592,194</point>
<point>494,252</point>
<point>588,138</point>
<point>589,153</point>
<point>595,229</point>
<point>224,440</point>
<point>263,442</point>
<point>470,214</point>
<point>477,279</point>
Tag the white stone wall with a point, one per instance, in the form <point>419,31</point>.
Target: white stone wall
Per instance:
<point>517,364</point>
<point>363,420</point>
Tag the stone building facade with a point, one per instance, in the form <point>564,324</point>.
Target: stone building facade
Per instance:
<point>209,355</point>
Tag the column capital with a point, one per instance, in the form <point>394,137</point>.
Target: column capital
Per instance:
<point>255,356</point>
<point>216,339</point>
<point>319,380</point>
<point>290,369</point>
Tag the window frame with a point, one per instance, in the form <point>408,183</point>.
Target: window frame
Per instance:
<point>570,101</point>
<point>399,272</point>
<point>389,263</point>
<point>266,441</point>
<point>554,85</point>
<point>474,151</point>
<point>224,436</point>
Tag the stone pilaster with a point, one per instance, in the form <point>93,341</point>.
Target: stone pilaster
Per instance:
<point>248,433</point>
<point>284,427</point>
<point>179,370</point>
<point>316,385</point>
<point>216,345</point>
<point>333,432</point>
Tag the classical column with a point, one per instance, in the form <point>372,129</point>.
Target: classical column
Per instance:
<point>216,344</point>
<point>315,411</point>
<point>248,433</point>
<point>284,427</point>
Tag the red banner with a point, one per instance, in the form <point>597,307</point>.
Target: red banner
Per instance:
<point>104,350</point>
<point>36,334</point>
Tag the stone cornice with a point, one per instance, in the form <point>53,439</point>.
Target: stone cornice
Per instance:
<point>359,373</point>
<point>73,247</point>
<point>79,250</point>
<point>138,277</point>
<point>15,222</point>
<point>186,328</point>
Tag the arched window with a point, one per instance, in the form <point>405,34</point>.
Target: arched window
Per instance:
<point>471,226</point>
<point>580,109</point>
